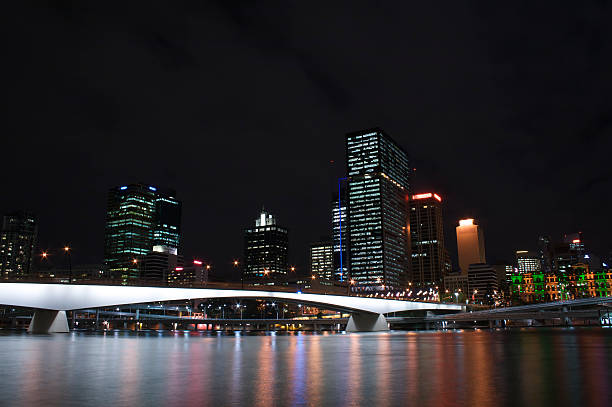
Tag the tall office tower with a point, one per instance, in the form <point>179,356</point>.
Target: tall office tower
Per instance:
<point>139,219</point>
<point>339,214</point>
<point>322,260</point>
<point>17,243</point>
<point>569,253</point>
<point>470,244</point>
<point>378,190</point>
<point>545,252</point>
<point>528,262</point>
<point>266,251</point>
<point>430,259</point>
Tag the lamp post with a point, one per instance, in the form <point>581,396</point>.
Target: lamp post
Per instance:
<point>236,263</point>
<point>67,251</point>
<point>348,287</point>
<point>135,263</point>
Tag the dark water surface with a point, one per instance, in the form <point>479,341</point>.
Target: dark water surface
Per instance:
<point>535,367</point>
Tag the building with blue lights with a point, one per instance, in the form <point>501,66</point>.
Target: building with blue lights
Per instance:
<point>339,215</point>
<point>378,190</point>
<point>140,219</point>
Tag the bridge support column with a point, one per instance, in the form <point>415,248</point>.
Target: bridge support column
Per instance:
<point>566,320</point>
<point>48,321</point>
<point>367,323</point>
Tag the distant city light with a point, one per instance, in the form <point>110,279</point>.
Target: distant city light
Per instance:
<point>576,241</point>
<point>122,188</point>
<point>153,188</point>
<point>179,269</point>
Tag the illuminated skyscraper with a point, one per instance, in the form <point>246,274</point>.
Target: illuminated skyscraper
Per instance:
<point>470,244</point>
<point>378,191</point>
<point>266,251</point>
<point>322,260</point>
<point>528,262</point>
<point>17,243</point>
<point>139,219</point>
<point>339,214</point>
<point>430,260</point>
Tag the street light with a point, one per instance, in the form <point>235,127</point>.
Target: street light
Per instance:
<point>67,251</point>
<point>348,287</point>
<point>236,263</point>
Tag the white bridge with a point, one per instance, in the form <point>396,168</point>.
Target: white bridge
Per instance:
<point>51,302</point>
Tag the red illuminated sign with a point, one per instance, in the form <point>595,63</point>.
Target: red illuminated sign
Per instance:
<point>198,262</point>
<point>427,195</point>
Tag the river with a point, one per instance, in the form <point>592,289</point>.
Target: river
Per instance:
<point>531,367</point>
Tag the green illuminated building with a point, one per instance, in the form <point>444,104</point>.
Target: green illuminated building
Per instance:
<point>577,282</point>
<point>139,219</point>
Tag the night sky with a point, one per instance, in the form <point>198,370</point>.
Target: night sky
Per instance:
<point>505,110</point>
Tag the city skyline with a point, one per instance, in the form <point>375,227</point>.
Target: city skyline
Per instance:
<point>468,123</point>
<point>295,203</point>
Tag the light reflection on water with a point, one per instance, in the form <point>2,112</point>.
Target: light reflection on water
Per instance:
<point>477,368</point>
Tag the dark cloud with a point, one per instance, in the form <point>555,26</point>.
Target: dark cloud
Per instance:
<point>505,110</point>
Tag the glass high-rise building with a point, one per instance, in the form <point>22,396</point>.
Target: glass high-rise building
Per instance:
<point>528,262</point>
<point>430,259</point>
<point>339,216</point>
<point>139,219</point>
<point>266,251</point>
<point>378,190</point>
<point>17,243</point>
<point>322,260</point>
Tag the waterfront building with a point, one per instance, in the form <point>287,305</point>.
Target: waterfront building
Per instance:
<point>322,260</point>
<point>139,217</point>
<point>482,283</point>
<point>528,262</point>
<point>17,243</point>
<point>194,274</point>
<point>266,251</point>
<point>378,190</point>
<point>579,281</point>
<point>339,215</point>
<point>470,244</point>
<point>429,257</point>
<point>158,264</point>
